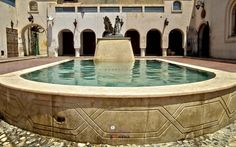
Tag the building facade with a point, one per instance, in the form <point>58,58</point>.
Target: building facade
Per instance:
<point>156,27</point>
<point>211,32</point>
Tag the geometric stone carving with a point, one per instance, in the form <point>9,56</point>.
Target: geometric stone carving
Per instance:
<point>117,121</point>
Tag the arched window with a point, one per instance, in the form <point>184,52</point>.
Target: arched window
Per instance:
<point>234,21</point>
<point>230,22</point>
<point>33,6</point>
<point>177,6</point>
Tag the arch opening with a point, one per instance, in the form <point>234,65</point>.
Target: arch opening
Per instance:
<point>153,41</point>
<point>66,43</point>
<point>135,41</point>
<point>177,5</point>
<point>204,41</point>
<point>33,40</point>
<point>175,46</point>
<point>88,42</point>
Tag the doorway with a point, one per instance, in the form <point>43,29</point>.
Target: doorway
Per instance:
<point>176,43</point>
<point>88,41</point>
<point>153,43</point>
<point>135,41</point>
<point>204,41</point>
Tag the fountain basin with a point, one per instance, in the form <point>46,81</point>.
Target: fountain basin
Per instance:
<point>119,115</point>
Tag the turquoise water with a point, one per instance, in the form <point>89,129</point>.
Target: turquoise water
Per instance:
<point>137,74</point>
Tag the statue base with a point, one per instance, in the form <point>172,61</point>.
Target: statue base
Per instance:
<point>114,49</point>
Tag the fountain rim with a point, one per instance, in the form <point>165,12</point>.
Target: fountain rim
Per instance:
<point>222,81</point>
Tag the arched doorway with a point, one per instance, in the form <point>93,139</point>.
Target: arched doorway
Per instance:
<point>88,42</point>
<point>66,43</point>
<point>135,40</point>
<point>176,43</point>
<point>153,47</point>
<point>33,36</point>
<point>203,41</point>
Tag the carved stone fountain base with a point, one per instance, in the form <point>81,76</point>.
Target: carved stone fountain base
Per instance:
<point>114,49</point>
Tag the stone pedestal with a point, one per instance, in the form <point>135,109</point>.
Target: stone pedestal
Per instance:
<point>114,49</point>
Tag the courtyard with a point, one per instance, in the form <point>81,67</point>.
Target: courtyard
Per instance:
<point>13,136</point>
<point>148,73</point>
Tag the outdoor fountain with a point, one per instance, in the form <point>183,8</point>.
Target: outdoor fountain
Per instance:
<point>113,46</point>
<point>143,102</point>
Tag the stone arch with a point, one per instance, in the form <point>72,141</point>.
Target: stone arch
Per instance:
<point>176,39</point>
<point>230,15</point>
<point>153,43</point>
<point>88,42</point>
<point>204,40</point>
<point>26,37</point>
<point>66,43</point>
<point>135,40</point>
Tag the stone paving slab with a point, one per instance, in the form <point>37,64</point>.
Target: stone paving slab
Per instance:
<point>16,65</point>
<point>225,65</point>
<point>13,59</point>
<point>21,63</point>
<point>11,136</point>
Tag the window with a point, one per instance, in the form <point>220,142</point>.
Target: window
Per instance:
<point>66,1</point>
<point>87,9</point>
<point>70,1</point>
<point>131,9</point>
<point>65,9</point>
<point>234,21</point>
<point>154,9</point>
<point>177,6</point>
<point>33,6</point>
<point>230,22</point>
<point>10,2</point>
<point>109,9</point>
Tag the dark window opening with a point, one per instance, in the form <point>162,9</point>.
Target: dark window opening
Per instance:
<point>177,5</point>
<point>65,9</point>
<point>109,9</point>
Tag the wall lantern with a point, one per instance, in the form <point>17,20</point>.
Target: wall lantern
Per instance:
<point>82,13</point>
<point>31,18</point>
<point>75,23</point>
<point>12,24</point>
<point>166,22</point>
<point>200,3</point>
<point>50,19</point>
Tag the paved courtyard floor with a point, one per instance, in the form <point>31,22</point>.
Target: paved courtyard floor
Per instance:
<point>23,63</point>
<point>11,136</point>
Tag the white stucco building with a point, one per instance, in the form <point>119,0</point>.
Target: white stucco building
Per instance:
<point>156,27</point>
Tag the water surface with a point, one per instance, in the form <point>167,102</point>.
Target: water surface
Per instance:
<point>134,74</point>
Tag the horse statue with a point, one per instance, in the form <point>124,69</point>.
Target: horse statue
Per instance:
<point>108,27</point>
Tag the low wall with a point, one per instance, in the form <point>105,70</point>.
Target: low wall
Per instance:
<point>118,121</point>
